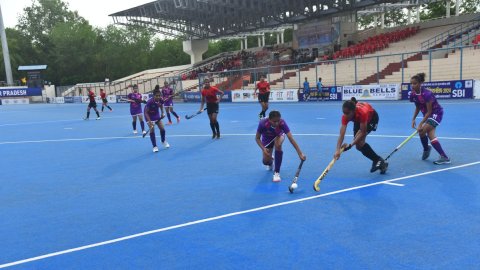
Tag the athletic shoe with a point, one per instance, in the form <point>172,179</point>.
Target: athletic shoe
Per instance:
<point>426,154</point>
<point>214,135</point>
<point>442,160</point>
<point>377,165</point>
<point>383,167</point>
<point>169,123</point>
<point>144,132</point>
<point>98,118</point>
<point>135,131</point>
<point>155,149</point>
<point>178,120</point>
<point>86,118</point>
<point>276,177</point>
<point>268,167</point>
<point>165,144</point>
<point>218,135</point>
<point>111,110</point>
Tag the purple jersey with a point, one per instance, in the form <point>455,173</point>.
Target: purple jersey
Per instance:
<point>152,108</point>
<point>167,92</point>
<point>135,107</point>
<point>268,132</point>
<point>421,101</point>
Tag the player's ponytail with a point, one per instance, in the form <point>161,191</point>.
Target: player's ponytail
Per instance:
<point>354,100</point>
<point>420,77</point>
<point>157,87</point>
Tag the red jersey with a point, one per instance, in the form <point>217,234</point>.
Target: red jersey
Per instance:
<point>103,95</point>
<point>91,96</point>
<point>210,94</point>
<point>263,87</point>
<point>363,114</point>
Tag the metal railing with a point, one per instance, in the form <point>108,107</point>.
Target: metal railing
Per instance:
<point>366,70</point>
<point>450,34</point>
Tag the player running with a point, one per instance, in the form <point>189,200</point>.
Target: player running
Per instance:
<point>167,94</point>
<point>152,115</point>
<point>209,94</point>
<point>103,96</point>
<point>432,112</point>
<point>271,133</point>
<point>264,94</point>
<point>91,104</point>
<point>365,119</point>
<point>135,100</point>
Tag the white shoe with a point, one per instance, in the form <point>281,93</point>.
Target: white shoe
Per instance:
<point>98,118</point>
<point>268,167</point>
<point>135,131</point>
<point>155,149</point>
<point>144,132</point>
<point>276,177</point>
<point>165,143</point>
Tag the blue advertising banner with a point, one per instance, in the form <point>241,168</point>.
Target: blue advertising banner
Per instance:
<point>197,97</point>
<point>20,92</point>
<point>77,99</point>
<point>122,99</point>
<point>68,99</point>
<point>327,93</point>
<point>444,89</point>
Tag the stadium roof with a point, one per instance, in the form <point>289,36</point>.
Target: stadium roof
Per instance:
<point>211,19</point>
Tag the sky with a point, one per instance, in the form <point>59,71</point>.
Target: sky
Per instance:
<point>95,11</point>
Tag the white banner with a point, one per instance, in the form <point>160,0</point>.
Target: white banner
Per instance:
<point>59,100</point>
<point>284,95</point>
<point>15,101</point>
<point>112,99</point>
<point>476,89</point>
<point>372,92</point>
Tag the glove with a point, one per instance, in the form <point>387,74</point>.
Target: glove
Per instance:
<point>346,147</point>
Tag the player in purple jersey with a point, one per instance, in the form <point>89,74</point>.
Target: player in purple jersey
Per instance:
<point>426,103</point>
<point>152,115</point>
<point>167,94</point>
<point>135,100</point>
<point>271,133</point>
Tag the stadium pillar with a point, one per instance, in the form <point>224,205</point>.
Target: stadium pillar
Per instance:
<point>418,14</point>
<point>448,8</point>
<point>6,53</point>
<point>263,40</point>
<point>278,38</point>
<point>282,37</point>
<point>457,7</point>
<point>195,48</point>
<point>409,16</point>
<point>246,43</point>
<point>382,21</point>
<point>259,42</point>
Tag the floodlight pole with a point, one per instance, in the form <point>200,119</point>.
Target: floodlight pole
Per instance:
<point>6,54</point>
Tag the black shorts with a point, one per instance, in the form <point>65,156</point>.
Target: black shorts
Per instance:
<point>371,126</point>
<point>92,105</point>
<point>104,100</point>
<point>212,108</point>
<point>264,97</point>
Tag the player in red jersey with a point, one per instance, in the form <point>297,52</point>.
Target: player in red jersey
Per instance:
<point>263,88</point>
<point>91,104</point>
<point>209,94</point>
<point>103,96</point>
<point>365,119</point>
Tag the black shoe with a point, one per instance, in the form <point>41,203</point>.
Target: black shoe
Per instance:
<point>383,167</point>
<point>376,165</point>
<point>214,135</point>
<point>426,154</point>
<point>218,135</point>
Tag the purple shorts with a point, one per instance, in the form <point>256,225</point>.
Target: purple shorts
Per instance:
<point>435,119</point>
<point>136,111</point>
<point>168,103</point>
